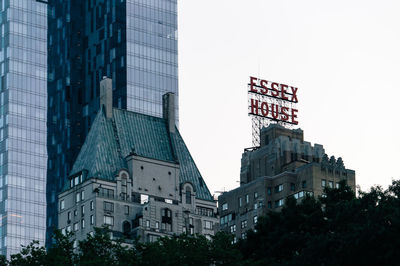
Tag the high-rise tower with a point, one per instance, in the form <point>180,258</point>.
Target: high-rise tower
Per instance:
<point>134,42</point>
<point>23,104</point>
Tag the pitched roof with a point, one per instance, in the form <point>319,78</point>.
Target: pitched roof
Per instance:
<point>110,141</point>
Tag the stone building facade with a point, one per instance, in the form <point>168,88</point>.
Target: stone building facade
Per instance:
<point>135,175</point>
<point>284,165</point>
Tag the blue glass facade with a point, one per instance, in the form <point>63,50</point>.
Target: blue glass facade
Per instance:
<point>152,54</point>
<point>23,107</point>
<point>134,42</point>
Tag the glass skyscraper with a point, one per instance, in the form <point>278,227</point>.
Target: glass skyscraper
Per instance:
<point>23,107</point>
<point>134,42</point>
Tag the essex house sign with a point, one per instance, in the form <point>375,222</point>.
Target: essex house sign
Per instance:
<point>271,101</point>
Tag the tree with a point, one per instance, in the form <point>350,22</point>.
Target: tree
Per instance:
<point>62,251</point>
<point>30,255</point>
<point>99,250</point>
<point>338,229</point>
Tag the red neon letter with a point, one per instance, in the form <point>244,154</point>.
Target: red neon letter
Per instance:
<point>285,115</point>
<point>275,87</point>
<point>283,91</point>
<point>252,83</point>
<point>264,109</point>
<point>294,96</point>
<point>263,84</point>
<point>294,115</point>
<point>254,105</point>
<point>275,111</point>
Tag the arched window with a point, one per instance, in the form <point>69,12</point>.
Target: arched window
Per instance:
<point>188,195</point>
<point>126,227</point>
<point>166,219</point>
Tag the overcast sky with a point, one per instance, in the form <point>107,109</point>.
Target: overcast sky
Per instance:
<point>343,55</point>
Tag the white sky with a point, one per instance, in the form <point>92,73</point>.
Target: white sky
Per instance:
<point>343,55</point>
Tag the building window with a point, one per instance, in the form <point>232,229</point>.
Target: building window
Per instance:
<point>91,219</point>
<point>83,223</point>
<point>337,185</point>
<point>227,218</point>
<point>240,202</point>
<point>269,205</point>
<point>69,216</point>
<point>191,226</point>
<point>278,188</point>
<point>225,206</point>
<point>62,205</point>
<point>255,219</point>
<point>108,206</point>
<point>126,209</point>
<point>247,198</point>
<point>255,206</point>
<point>243,224</point>
<point>166,219</point>
<point>206,211</point>
<point>208,225</point>
<point>108,220</point>
<point>188,195</point>
<point>278,203</point>
<point>269,191</point>
<point>77,197</point>
<point>92,205</point>
<point>244,235</point>
<point>148,223</point>
<point>323,183</point>
<point>75,212</point>
<point>83,195</point>
<point>304,184</point>
<point>233,228</point>
<point>330,184</point>
<point>76,226</point>
<point>107,193</point>
<point>255,195</point>
<point>83,210</point>
<point>68,229</point>
<point>157,225</point>
<point>292,187</point>
<point>153,238</point>
<point>126,227</point>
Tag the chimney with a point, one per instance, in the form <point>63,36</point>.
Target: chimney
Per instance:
<point>169,110</point>
<point>106,95</point>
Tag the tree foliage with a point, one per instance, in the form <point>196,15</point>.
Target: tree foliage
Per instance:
<point>337,229</point>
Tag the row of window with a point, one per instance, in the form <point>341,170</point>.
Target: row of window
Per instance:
<point>329,183</point>
<point>81,224</point>
<point>205,211</point>
<point>247,200</point>
<point>80,196</point>
<point>227,218</point>
<point>243,224</point>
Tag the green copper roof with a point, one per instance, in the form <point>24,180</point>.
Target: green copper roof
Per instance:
<point>110,141</point>
<point>100,154</point>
